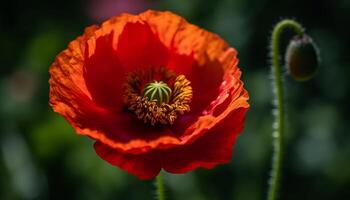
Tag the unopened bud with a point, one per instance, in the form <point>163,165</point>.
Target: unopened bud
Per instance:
<point>302,58</point>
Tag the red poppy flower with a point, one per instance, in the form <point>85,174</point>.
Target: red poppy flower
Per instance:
<point>154,91</point>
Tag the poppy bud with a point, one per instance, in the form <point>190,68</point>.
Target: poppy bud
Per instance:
<point>302,58</point>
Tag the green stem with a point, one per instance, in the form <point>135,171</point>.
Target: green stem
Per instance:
<point>278,133</point>
<point>160,186</point>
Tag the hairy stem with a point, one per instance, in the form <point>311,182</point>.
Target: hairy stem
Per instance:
<point>159,182</point>
<point>278,133</point>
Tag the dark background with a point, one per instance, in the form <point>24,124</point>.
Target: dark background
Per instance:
<point>42,158</point>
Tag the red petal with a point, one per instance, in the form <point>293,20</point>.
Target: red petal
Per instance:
<point>103,74</point>
<point>215,147</point>
<point>145,166</point>
<point>139,47</point>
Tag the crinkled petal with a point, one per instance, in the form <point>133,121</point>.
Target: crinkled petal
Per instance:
<point>138,47</point>
<point>212,149</point>
<point>104,74</point>
<point>145,166</point>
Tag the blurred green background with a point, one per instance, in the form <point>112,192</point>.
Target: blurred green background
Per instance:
<point>42,158</point>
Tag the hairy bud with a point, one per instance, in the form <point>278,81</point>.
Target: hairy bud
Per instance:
<point>302,58</point>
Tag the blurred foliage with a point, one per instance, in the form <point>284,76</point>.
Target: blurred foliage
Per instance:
<point>42,158</point>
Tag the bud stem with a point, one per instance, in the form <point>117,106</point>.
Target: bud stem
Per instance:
<point>278,133</point>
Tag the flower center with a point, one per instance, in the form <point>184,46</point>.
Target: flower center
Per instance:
<point>158,91</point>
<point>157,96</point>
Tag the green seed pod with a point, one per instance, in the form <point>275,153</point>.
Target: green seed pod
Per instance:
<point>159,91</point>
<point>302,58</point>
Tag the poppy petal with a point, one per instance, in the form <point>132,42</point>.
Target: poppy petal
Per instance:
<point>139,47</point>
<point>210,150</point>
<point>215,147</point>
<point>145,166</point>
<point>103,73</point>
